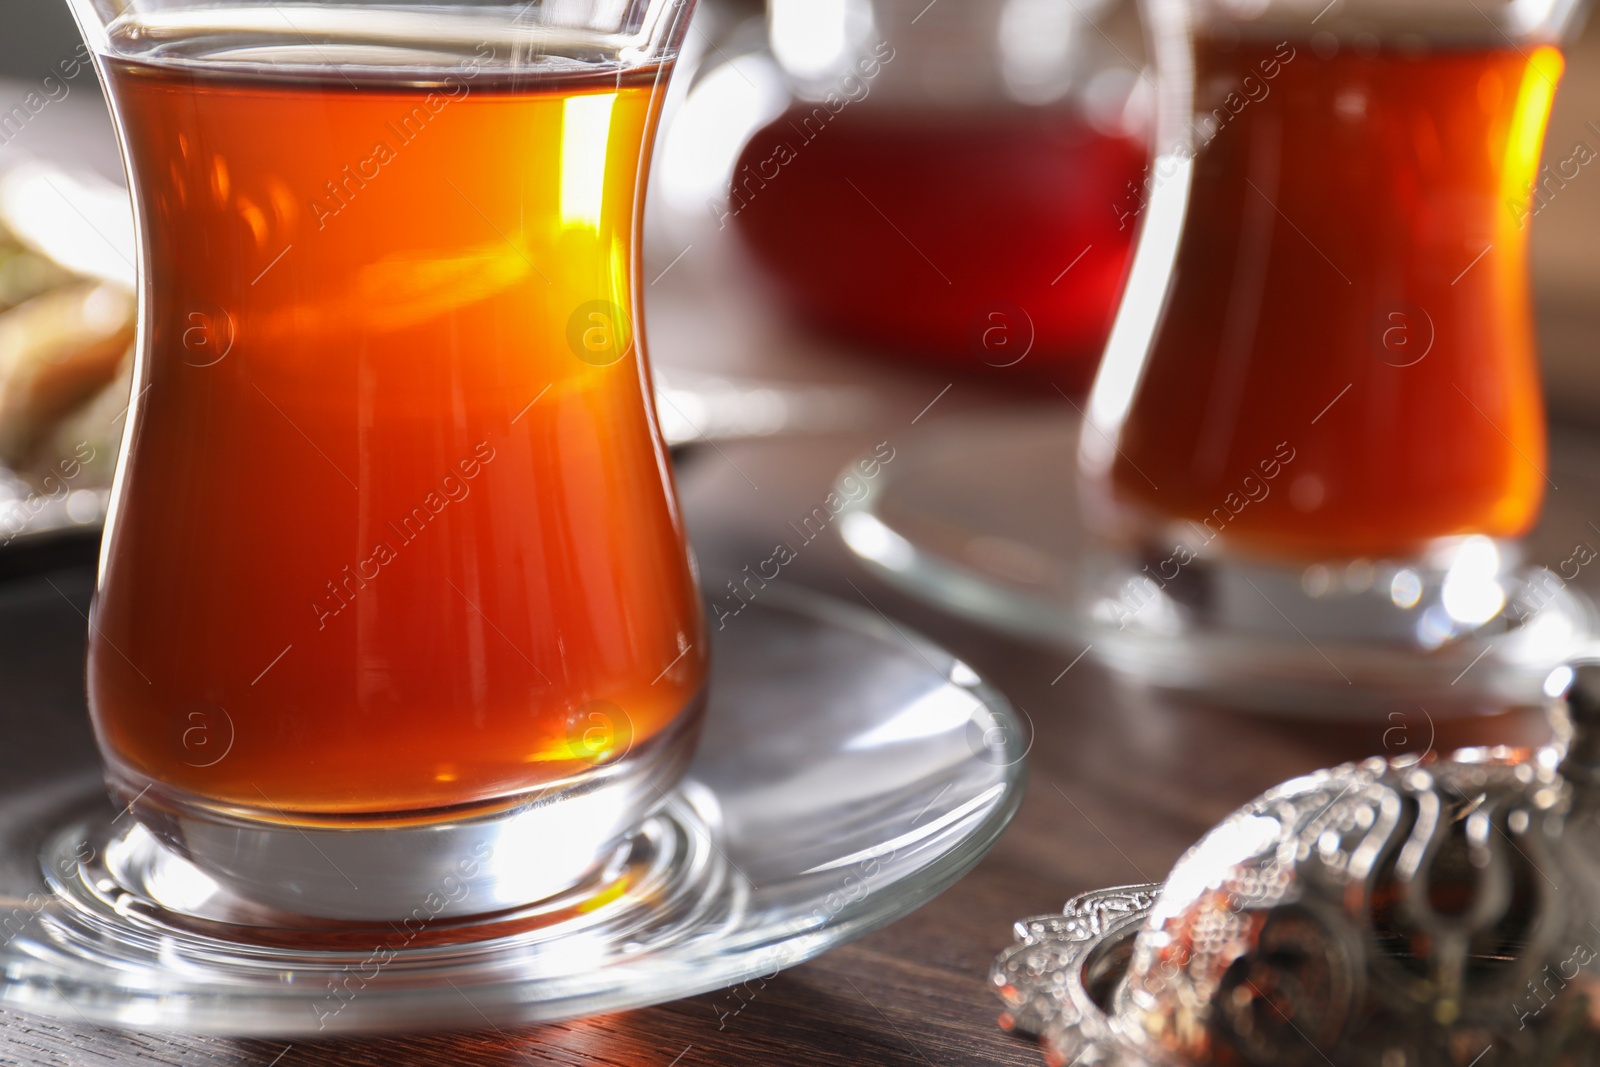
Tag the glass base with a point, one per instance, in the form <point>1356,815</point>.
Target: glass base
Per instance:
<point>526,850</point>
<point>810,815</point>
<point>1462,629</point>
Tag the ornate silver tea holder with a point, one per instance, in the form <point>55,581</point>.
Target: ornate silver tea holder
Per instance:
<point>1409,912</point>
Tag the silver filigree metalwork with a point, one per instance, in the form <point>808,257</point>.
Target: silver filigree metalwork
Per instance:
<point>1391,913</point>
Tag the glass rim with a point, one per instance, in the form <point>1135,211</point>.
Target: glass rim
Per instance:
<point>423,43</point>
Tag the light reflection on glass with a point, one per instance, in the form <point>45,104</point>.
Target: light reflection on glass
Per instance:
<point>585,138</point>
<point>1472,593</point>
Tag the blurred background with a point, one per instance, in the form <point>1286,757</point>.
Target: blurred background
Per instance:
<point>37,33</point>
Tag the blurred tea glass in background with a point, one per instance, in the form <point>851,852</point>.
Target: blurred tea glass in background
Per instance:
<point>394,576</point>
<point>1316,442</point>
<point>1318,430</point>
<point>933,182</point>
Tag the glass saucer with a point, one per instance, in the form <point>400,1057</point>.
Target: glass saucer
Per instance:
<point>948,525</point>
<point>945,522</point>
<point>847,774</point>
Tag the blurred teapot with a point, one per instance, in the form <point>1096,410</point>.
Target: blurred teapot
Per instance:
<point>939,181</point>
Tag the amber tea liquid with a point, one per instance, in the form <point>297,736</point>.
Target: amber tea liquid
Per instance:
<point>1351,289</point>
<point>391,535</point>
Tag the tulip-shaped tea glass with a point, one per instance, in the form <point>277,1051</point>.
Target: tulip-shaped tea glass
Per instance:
<point>396,661</point>
<point>1318,430</point>
<point>394,583</point>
